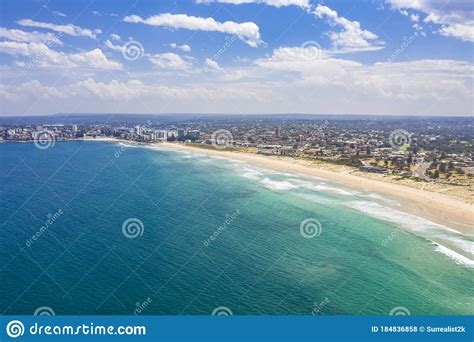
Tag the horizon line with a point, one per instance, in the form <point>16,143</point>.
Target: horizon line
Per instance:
<point>238,114</point>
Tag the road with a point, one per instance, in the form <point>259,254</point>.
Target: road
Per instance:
<point>421,170</point>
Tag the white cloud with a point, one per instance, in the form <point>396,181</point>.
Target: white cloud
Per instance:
<point>39,54</point>
<point>351,37</point>
<point>111,46</point>
<point>248,31</point>
<point>115,37</point>
<point>414,17</point>
<point>455,17</point>
<point>284,82</point>
<point>69,29</point>
<point>427,83</point>
<point>212,64</point>
<point>184,47</point>
<point>113,90</point>
<point>171,61</point>
<point>130,96</point>
<point>58,13</point>
<point>275,3</point>
<point>29,37</point>
<point>463,32</point>
<point>94,59</point>
<point>29,90</point>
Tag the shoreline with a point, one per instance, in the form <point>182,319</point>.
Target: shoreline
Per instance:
<point>445,209</point>
<point>437,207</point>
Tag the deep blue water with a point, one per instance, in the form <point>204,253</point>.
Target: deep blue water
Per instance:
<point>259,263</point>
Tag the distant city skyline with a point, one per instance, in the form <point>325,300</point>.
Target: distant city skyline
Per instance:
<point>386,57</point>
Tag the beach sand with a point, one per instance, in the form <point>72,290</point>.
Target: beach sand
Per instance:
<point>448,206</point>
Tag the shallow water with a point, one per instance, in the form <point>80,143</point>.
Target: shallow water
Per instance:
<point>281,243</point>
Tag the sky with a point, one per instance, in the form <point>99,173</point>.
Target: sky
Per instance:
<point>389,57</point>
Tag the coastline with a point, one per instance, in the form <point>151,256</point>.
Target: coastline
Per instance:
<point>268,225</point>
<point>437,207</point>
<point>432,202</point>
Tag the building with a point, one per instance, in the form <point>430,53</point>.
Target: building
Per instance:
<point>161,134</point>
<point>194,134</point>
<point>172,133</point>
<point>138,130</point>
<point>373,169</point>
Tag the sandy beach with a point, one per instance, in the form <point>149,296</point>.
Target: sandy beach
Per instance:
<point>451,206</point>
<point>435,202</point>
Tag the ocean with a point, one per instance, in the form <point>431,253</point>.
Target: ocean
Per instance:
<point>107,228</point>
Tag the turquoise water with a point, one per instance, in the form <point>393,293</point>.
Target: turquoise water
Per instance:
<point>364,258</point>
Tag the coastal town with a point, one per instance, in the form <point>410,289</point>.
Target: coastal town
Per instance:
<point>434,150</point>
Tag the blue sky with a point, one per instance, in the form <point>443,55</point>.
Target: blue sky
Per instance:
<point>237,56</point>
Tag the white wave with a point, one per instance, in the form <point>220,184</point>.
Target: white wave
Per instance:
<point>316,199</point>
<point>251,173</point>
<point>420,226</point>
<point>378,197</point>
<point>319,186</point>
<point>458,258</point>
<point>230,160</point>
<point>466,246</point>
<point>331,189</point>
<point>374,196</point>
<point>162,148</point>
<point>128,145</point>
<point>278,185</point>
<point>385,213</point>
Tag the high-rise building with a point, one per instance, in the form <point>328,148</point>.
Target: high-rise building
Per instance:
<point>172,133</point>
<point>278,131</point>
<point>194,134</point>
<point>161,134</point>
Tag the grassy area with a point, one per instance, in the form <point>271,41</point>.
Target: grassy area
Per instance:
<point>448,174</point>
<point>353,163</point>
<point>212,147</point>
